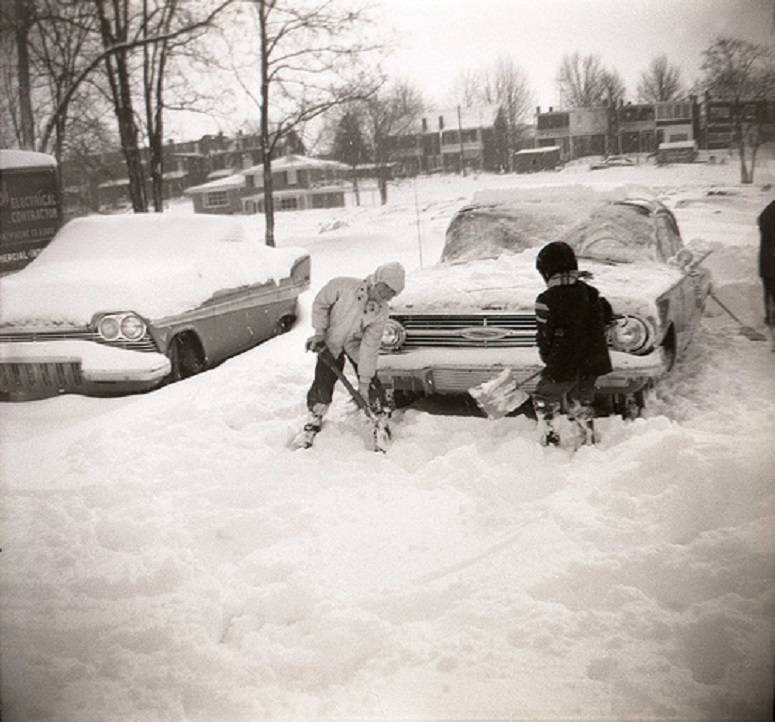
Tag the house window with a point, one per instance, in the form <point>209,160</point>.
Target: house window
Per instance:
<point>292,181</point>
<point>289,204</point>
<point>216,199</point>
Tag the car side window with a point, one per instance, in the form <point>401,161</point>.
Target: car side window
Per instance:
<point>668,238</point>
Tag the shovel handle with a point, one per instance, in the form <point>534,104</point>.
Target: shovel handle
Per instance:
<point>716,299</point>
<point>328,359</point>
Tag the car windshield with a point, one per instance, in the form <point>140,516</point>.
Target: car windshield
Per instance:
<point>487,231</point>
<point>617,233</point>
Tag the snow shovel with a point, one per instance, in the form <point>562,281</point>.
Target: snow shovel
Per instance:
<point>747,331</point>
<point>380,432</point>
<point>502,394</point>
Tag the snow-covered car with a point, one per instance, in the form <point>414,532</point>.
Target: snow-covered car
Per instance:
<point>463,321</point>
<point>120,304</point>
<point>612,161</point>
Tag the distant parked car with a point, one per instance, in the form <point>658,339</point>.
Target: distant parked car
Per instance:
<point>120,304</point>
<point>611,161</point>
<point>461,322</point>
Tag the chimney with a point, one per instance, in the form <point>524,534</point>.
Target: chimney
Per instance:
<point>538,109</point>
<point>550,109</point>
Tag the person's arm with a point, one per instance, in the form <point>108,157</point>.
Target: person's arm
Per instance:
<point>552,337</point>
<point>369,350</point>
<point>321,306</point>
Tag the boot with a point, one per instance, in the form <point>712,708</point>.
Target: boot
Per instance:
<point>546,414</point>
<point>583,416</point>
<point>315,417</point>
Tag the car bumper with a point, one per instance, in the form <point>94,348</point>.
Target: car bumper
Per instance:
<point>454,371</point>
<point>40,369</point>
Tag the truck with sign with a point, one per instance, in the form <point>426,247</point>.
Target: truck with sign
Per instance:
<point>30,206</point>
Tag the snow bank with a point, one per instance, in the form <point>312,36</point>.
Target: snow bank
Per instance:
<point>165,557</point>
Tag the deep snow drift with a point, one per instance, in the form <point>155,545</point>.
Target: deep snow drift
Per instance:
<point>165,557</point>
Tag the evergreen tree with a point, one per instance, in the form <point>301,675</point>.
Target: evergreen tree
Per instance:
<point>350,147</point>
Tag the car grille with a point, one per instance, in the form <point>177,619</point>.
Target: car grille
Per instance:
<point>469,331</point>
<point>146,343</point>
<point>29,376</point>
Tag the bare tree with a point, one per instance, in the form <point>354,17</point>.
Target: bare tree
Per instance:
<point>580,81</point>
<point>311,57</point>
<point>504,85</point>
<point>390,113</point>
<point>471,87</point>
<point>613,89</point>
<point>742,74</point>
<point>23,20</point>
<point>661,82</point>
<point>513,95</point>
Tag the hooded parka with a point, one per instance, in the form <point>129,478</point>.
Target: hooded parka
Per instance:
<point>352,322</point>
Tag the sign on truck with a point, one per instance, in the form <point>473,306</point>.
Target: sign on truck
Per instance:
<point>30,206</point>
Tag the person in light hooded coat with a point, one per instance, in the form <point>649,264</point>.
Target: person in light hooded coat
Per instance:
<point>349,316</point>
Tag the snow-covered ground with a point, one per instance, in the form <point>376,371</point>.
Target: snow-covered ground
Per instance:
<point>165,557</point>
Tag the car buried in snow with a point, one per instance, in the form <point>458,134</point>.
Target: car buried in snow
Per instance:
<point>123,304</point>
<point>465,320</point>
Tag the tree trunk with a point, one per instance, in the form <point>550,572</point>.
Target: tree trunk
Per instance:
<point>118,77</point>
<point>129,145</point>
<point>266,159</point>
<point>383,191</point>
<point>356,190</point>
<point>22,29</point>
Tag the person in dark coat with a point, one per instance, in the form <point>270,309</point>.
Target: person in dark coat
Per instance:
<point>571,317</point>
<point>767,265</point>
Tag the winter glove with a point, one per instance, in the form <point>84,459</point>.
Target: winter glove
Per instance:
<point>363,389</point>
<point>315,342</point>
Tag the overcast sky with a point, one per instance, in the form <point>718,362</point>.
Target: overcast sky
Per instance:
<point>439,38</point>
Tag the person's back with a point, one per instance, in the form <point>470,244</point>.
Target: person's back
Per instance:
<point>767,265</point>
<point>572,338</point>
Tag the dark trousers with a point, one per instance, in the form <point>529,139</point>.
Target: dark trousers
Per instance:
<point>322,389</point>
<point>769,300</point>
<point>575,397</point>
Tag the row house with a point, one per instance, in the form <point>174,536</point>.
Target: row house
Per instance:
<point>717,118</point>
<point>577,132</point>
<point>100,180</point>
<point>298,183</point>
<point>445,141</point>
<point>644,127</point>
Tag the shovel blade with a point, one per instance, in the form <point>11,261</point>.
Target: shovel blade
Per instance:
<point>752,334</point>
<point>500,395</point>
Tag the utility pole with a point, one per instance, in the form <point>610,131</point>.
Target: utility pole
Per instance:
<point>460,138</point>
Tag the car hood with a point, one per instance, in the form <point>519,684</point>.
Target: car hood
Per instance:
<point>511,283</point>
<point>70,293</point>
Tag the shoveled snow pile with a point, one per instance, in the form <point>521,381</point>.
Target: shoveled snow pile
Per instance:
<point>166,557</point>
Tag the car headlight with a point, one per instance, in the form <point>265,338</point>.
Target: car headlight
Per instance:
<point>109,328</point>
<point>630,334</point>
<point>132,327</point>
<point>121,326</point>
<point>393,336</point>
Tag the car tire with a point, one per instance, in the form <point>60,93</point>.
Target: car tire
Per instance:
<point>185,355</point>
<point>284,324</point>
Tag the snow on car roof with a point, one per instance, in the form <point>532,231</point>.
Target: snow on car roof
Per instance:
<point>25,159</point>
<point>514,219</point>
<point>154,264</point>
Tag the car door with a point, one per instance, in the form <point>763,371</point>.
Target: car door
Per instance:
<point>690,293</point>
